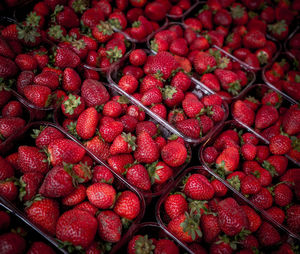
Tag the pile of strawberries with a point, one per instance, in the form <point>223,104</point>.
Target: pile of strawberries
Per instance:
<point>61,190</point>
<point>257,171</point>
<point>201,208</point>
<point>273,117</point>
<point>128,91</point>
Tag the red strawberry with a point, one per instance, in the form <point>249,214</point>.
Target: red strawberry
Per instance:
<point>128,83</point>
<point>276,164</point>
<point>210,80</point>
<point>239,14</point>
<point>26,62</point>
<point>44,213</point>
<point>101,195</point>
<point>10,126</point>
<point>254,39</point>
<point>147,150</point>
<point>229,81</point>
<point>159,172</point>
<point>109,226</point>
<point>232,218</point>
<point>280,144</point>
<point>190,128</point>
<point>139,243</point>
<point>290,121</point>
<point>138,176</point>
<point>283,195</point>
<point>44,136</point>
<point>204,62</point>
<point>175,205</point>
<point>179,47</point>
<point>12,109</point>
<point>75,197</point>
<point>174,154</point>
<point>71,80</point>
<point>279,30</point>
<point>6,169</point>
<point>12,243</point>
<point>222,18</point>
<point>253,218</point>
<point>166,245</point>
<point>127,205</point>
<point>268,235</point>
<point>250,185</point>
<point>124,143</point>
<point>228,160</point>
<point>98,147</point>
<point>66,17</point>
<point>40,247</point>
<point>30,159</point>
<point>192,107</point>
<point>65,150</point>
<point>77,227</point>
<point>118,162</point>
<point>87,123</point>
<point>293,214</point>
<point>266,116</point>
<point>198,187</point>
<point>40,96</point>
<point>210,227</point>
<point>263,199</point>
<point>152,96</point>
<point>248,151</point>
<point>205,16</point>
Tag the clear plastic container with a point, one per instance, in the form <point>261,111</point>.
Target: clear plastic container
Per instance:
<point>156,190</point>
<point>198,90</point>
<point>152,229</point>
<point>163,218</point>
<point>238,126</point>
<point>119,183</point>
<point>256,92</point>
<point>286,45</point>
<point>293,63</point>
<point>38,234</point>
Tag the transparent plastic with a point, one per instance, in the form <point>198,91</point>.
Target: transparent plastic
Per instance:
<point>233,124</point>
<point>119,182</point>
<point>198,90</point>
<point>163,219</point>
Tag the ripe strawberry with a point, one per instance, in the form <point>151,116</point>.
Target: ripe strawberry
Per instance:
<point>63,56</point>
<point>174,154</point>
<point>127,205</point>
<point>152,96</point>
<point>166,246</point>
<point>139,243</point>
<point>210,227</point>
<point>172,96</point>
<point>44,136</point>
<point>6,169</point>
<point>239,14</point>
<point>147,150</point>
<point>229,81</point>
<point>228,160</point>
<point>44,213</point>
<point>198,187</point>
<point>279,30</point>
<point>254,39</point>
<point>163,62</point>
<point>87,123</point>
<point>101,195</point>
<point>190,128</point>
<point>5,49</point>
<point>204,62</point>
<point>77,227</point>
<point>248,151</point>
<point>210,80</point>
<point>276,164</point>
<point>283,195</point>
<point>179,47</point>
<point>30,159</point>
<point>250,185</point>
<point>232,218</point>
<point>75,197</point>
<point>12,243</point>
<point>26,62</point>
<point>10,126</point>
<point>40,96</point>
<point>253,218</point>
<point>99,147</point>
<point>109,226</point>
<point>159,172</point>
<point>206,18</point>
<point>280,144</point>
<point>124,143</point>
<point>192,107</point>
<point>138,176</point>
<point>268,235</point>
<point>263,199</point>
<point>64,150</point>
<point>222,18</point>
<point>102,174</point>
<point>40,247</point>
<point>185,227</point>
<point>266,116</point>
<point>119,161</point>
<point>12,109</point>
<point>175,205</point>
<point>293,214</point>
<point>71,80</point>
<point>290,121</point>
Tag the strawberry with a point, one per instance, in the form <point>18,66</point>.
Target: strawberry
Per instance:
<point>293,214</point>
<point>10,126</point>
<point>166,245</point>
<point>139,243</point>
<point>210,227</point>
<point>87,123</point>
<point>152,96</point>
<point>250,185</point>
<point>229,81</point>
<point>268,235</point>
<point>239,14</point>
<point>38,95</point>
<point>47,78</point>
<point>124,143</point>
<point>179,47</point>
<point>175,204</point>
<point>248,151</point>
<point>254,39</point>
<point>26,62</point>
<point>159,45</point>
<point>185,227</point>
<point>138,176</point>
<point>102,32</point>
<point>222,18</point>
<point>204,62</point>
<point>263,199</point>
<point>174,154</point>
<point>65,16</point>
<point>5,49</point>
<point>119,161</point>
<point>283,195</point>
<point>276,164</point>
<point>77,227</point>
<point>138,30</point>
<point>6,169</point>
<point>12,243</point>
<point>40,247</point>
<point>290,123</point>
<point>159,172</point>
<point>163,62</point>
<point>266,116</point>
<point>210,81</point>
<point>253,218</point>
<point>155,11</point>
<point>194,24</point>
<point>198,187</point>
<point>147,150</point>
<point>64,150</point>
<point>75,197</point>
<point>280,144</point>
<point>232,218</point>
<point>44,213</point>
<point>109,226</point>
<point>172,96</point>
<point>63,56</point>
<point>279,30</point>
<point>30,159</point>
<point>94,93</point>
<point>8,189</point>
<point>44,136</point>
<point>206,18</point>
<point>127,205</point>
<point>190,128</point>
<point>101,195</point>
<point>102,174</point>
<point>228,160</point>
<point>128,83</point>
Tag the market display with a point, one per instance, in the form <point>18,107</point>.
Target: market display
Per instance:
<point>163,126</point>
